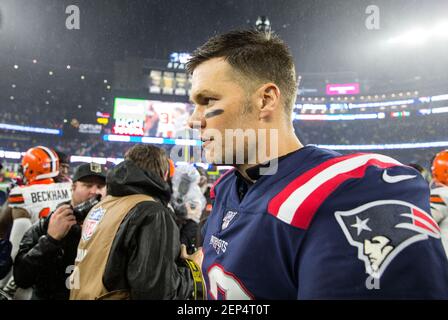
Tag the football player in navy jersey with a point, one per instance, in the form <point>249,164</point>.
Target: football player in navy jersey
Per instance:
<point>293,221</point>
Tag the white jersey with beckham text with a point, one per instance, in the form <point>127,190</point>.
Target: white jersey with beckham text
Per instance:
<point>40,199</point>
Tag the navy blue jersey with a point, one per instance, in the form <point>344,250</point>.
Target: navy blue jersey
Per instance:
<point>325,226</point>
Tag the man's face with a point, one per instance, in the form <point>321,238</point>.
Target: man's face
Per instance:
<point>64,169</point>
<point>220,104</point>
<point>87,188</point>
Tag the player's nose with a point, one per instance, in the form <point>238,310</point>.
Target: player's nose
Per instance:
<point>197,119</point>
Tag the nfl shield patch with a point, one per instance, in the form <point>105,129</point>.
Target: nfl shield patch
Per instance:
<point>91,222</point>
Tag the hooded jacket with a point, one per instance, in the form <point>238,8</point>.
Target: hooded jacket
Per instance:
<point>144,256</point>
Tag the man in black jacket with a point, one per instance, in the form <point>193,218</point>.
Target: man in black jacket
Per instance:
<point>48,249</point>
<point>130,247</point>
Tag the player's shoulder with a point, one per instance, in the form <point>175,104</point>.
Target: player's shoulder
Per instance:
<point>58,185</point>
<point>15,197</point>
<point>16,190</point>
<point>439,195</point>
<point>439,189</point>
<point>371,207</point>
<point>328,174</point>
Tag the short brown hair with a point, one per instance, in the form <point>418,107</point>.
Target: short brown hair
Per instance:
<point>253,54</point>
<point>149,158</point>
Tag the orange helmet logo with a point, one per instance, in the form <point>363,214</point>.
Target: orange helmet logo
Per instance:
<point>440,167</point>
<point>40,163</point>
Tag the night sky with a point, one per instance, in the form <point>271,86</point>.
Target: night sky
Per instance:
<point>325,36</point>
<point>328,39</point>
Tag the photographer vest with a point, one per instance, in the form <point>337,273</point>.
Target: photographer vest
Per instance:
<point>98,233</point>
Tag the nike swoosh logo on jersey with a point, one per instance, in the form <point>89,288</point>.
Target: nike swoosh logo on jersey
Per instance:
<point>394,179</point>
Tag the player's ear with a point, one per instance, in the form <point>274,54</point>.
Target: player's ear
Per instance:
<point>269,94</point>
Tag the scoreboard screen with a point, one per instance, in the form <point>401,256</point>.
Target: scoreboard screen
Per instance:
<point>169,82</point>
<point>342,88</point>
<point>150,118</point>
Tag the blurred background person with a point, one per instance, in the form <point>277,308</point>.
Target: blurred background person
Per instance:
<point>64,167</point>
<point>188,202</point>
<point>36,199</point>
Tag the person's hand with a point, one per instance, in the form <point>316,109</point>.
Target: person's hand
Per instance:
<point>60,222</point>
<point>193,214</point>
<point>196,257</point>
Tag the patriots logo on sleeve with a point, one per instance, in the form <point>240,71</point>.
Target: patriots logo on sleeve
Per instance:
<point>380,230</point>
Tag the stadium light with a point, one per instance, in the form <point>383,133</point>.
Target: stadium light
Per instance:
<point>263,24</point>
<point>10,154</point>
<point>441,29</point>
<point>419,36</point>
<point>415,36</point>
<point>6,126</point>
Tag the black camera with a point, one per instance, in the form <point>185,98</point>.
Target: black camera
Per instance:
<point>81,210</point>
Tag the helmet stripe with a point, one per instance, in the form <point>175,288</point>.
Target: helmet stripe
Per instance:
<point>53,163</point>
